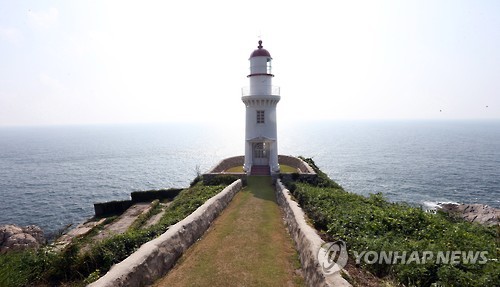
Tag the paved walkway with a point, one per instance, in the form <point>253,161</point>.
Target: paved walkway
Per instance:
<point>248,245</point>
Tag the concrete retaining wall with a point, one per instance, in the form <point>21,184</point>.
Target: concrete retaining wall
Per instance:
<point>223,165</point>
<point>150,195</point>
<point>111,207</point>
<point>306,172</point>
<point>295,162</point>
<point>228,163</point>
<point>118,207</point>
<point>307,241</point>
<point>282,159</point>
<point>156,257</point>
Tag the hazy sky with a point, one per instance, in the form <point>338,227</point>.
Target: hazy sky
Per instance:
<point>72,62</point>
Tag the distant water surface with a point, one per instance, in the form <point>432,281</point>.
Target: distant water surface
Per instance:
<point>51,176</point>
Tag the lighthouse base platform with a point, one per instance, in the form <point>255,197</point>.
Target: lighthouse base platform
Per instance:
<point>222,168</point>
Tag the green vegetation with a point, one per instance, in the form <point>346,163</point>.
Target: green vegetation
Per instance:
<point>374,224</point>
<point>364,223</point>
<point>235,169</point>
<point>287,169</point>
<point>220,180</point>
<point>247,245</point>
<point>75,266</point>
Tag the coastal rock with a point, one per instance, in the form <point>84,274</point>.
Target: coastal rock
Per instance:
<point>13,237</point>
<point>479,213</point>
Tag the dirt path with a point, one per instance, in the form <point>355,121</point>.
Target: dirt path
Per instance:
<point>248,245</point>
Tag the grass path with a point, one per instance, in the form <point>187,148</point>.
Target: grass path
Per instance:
<point>246,246</point>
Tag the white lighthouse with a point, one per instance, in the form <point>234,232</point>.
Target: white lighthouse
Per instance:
<point>261,99</point>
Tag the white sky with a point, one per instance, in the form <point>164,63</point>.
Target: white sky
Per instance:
<point>78,62</point>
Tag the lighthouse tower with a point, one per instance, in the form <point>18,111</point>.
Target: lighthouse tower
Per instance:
<point>261,99</point>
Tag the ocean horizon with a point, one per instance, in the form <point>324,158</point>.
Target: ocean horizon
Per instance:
<point>51,176</point>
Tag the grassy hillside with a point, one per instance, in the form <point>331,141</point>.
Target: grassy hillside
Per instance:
<point>75,266</point>
<point>375,224</point>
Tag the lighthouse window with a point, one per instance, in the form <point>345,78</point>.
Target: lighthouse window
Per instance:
<point>260,117</point>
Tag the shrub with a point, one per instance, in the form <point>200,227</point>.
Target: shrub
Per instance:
<point>222,179</point>
<point>375,224</point>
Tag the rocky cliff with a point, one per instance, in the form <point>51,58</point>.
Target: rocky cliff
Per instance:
<point>479,213</point>
<point>13,237</point>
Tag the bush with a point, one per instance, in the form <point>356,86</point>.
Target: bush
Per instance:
<point>22,268</point>
<point>375,224</point>
<point>220,180</point>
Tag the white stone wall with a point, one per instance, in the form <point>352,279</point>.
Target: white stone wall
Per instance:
<point>296,162</point>
<point>227,163</point>
<point>307,241</point>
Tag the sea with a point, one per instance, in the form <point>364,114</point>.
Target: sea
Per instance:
<point>51,176</point>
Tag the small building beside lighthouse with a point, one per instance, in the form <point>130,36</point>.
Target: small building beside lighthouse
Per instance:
<point>261,99</point>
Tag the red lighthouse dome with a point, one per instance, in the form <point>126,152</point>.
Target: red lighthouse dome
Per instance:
<point>260,52</point>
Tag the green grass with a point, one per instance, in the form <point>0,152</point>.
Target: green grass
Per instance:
<point>375,224</point>
<point>235,169</point>
<point>246,246</point>
<point>287,169</point>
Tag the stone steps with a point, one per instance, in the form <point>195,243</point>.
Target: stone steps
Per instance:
<point>263,170</point>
